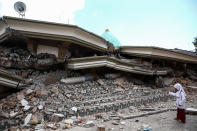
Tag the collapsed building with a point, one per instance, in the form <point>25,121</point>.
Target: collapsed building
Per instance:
<point>28,47</point>
<point>30,44</point>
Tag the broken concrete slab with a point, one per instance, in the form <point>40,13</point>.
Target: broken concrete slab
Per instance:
<point>40,107</point>
<point>167,81</point>
<point>24,102</point>
<point>4,115</point>
<point>89,124</point>
<point>52,126</point>
<point>34,120</point>
<point>28,91</point>
<point>111,62</point>
<point>191,111</point>
<point>69,121</point>
<point>27,119</point>
<point>80,79</point>
<point>20,96</point>
<point>56,117</point>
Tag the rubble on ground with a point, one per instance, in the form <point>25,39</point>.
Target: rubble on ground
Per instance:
<point>58,105</point>
<point>61,99</point>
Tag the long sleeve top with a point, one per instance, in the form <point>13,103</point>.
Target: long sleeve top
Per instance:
<point>180,99</point>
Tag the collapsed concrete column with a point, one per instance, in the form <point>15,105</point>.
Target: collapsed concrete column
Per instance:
<point>32,46</point>
<point>63,51</point>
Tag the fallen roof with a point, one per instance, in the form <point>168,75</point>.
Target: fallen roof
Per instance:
<point>52,31</point>
<point>157,52</point>
<point>64,32</point>
<point>10,80</point>
<point>111,62</point>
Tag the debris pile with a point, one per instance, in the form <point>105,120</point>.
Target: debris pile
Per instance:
<point>50,96</point>
<point>23,62</point>
<point>60,99</point>
<point>41,104</point>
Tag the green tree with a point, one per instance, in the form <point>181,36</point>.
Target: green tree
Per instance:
<point>195,43</point>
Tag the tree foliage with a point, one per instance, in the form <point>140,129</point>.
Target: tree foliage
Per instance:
<point>195,43</point>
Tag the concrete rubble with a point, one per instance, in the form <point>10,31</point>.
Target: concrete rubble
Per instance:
<point>40,92</point>
<point>62,106</point>
<point>61,99</point>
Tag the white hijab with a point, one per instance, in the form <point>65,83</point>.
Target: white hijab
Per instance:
<point>180,89</point>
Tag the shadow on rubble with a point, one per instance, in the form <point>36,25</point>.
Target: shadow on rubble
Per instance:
<point>5,91</point>
<point>136,79</point>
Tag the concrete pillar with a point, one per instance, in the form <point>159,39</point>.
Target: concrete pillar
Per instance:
<point>111,49</point>
<point>63,51</point>
<point>32,46</point>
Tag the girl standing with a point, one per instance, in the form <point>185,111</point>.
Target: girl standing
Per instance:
<point>180,102</point>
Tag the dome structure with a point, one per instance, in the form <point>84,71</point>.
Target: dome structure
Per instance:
<point>108,36</point>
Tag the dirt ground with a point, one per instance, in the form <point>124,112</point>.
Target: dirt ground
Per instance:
<point>158,122</point>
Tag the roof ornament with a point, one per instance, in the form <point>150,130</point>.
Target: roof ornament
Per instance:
<point>20,7</point>
<point>108,36</point>
<point>107,30</point>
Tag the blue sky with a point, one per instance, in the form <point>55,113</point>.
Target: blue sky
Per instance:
<point>162,23</point>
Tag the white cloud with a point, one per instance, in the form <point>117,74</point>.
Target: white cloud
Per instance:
<point>48,10</point>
